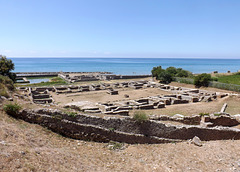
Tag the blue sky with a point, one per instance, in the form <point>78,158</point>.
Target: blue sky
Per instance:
<point>120,28</point>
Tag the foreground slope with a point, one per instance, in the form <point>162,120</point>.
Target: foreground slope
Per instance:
<point>29,147</point>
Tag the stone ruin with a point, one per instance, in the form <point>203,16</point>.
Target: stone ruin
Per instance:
<point>78,78</point>
<point>177,95</point>
<point>96,76</point>
<point>128,130</point>
<point>41,95</point>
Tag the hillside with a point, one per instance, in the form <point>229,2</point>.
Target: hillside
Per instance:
<point>29,147</point>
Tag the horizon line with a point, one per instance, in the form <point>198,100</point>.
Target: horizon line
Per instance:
<point>132,57</point>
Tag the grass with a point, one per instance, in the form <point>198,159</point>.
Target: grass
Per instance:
<point>140,116</point>
<point>12,109</point>
<point>115,145</point>
<point>53,81</point>
<point>41,77</point>
<point>72,114</point>
<point>7,82</point>
<point>229,79</point>
<point>204,114</point>
<point>3,91</point>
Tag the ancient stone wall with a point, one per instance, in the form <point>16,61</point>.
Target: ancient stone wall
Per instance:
<point>124,129</point>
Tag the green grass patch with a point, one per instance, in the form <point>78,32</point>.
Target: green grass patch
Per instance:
<point>72,114</point>
<point>204,114</point>
<point>115,145</point>
<point>12,109</point>
<point>140,116</point>
<point>52,82</point>
<point>3,91</point>
<point>40,77</point>
<point>7,82</point>
<point>230,79</point>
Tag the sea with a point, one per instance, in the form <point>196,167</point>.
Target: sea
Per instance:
<point>123,66</point>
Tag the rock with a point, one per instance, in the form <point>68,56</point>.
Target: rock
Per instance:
<point>126,95</point>
<point>4,98</point>
<point>10,99</point>
<point>237,116</point>
<point>3,142</point>
<point>178,116</point>
<point>196,140</point>
<point>22,152</point>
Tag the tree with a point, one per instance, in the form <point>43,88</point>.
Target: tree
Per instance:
<point>156,70</point>
<point>6,66</point>
<point>202,80</point>
<point>182,73</point>
<point>171,70</point>
<point>165,77</point>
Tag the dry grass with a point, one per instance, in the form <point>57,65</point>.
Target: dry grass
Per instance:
<point>103,96</point>
<point>29,147</point>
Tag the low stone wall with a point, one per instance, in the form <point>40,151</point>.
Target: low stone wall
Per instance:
<point>123,130</point>
<point>193,120</point>
<point>222,120</point>
<point>88,132</point>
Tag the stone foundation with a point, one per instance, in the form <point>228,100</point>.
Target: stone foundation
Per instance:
<point>122,130</point>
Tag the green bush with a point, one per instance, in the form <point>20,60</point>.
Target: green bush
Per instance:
<point>72,114</point>
<point>156,71</point>
<point>6,66</point>
<point>202,80</point>
<point>140,116</point>
<point>182,73</point>
<point>12,109</point>
<point>165,77</point>
<point>214,79</point>
<point>172,70</point>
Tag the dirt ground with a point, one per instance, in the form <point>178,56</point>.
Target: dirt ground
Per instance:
<point>184,109</point>
<point>30,147</point>
<point>103,96</point>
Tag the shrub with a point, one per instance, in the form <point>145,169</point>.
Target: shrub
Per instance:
<point>6,65</point>
<point>202,80</point>
<point>72,114</point>
<point>182,73</point>
<point>172,70</point>
<point>140,116</point>
<point>115,145</point>
<point>156,70</point>
<point>165,77</point>
<point>7,82</point>
<point>214,79</point>
<point>12,109</point>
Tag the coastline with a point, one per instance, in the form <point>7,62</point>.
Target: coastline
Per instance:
<point>123,66</point>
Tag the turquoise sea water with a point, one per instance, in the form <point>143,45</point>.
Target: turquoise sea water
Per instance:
<point>125,66</point>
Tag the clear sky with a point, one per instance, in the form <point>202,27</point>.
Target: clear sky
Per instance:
<point>120,28</point>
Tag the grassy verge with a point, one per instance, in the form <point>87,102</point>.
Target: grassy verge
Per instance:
<point>43,77</point>
<point>6,85</point>
<point>53,81</point>
<point>229,79</point>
